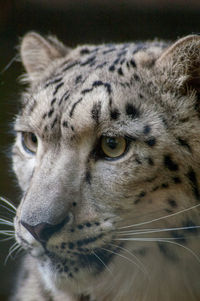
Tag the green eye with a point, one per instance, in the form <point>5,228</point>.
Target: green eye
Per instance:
<point>29,142</point>
<point>113,147</point>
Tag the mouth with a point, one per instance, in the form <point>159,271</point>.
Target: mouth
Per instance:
<point>93,261</point>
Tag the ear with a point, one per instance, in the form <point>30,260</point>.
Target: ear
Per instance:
<point>182,61</point>
<point>38,52</point>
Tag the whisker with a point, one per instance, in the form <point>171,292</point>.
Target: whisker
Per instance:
<point>161,218</point>
<point>146,231</point>
<point>9,63</point>
<point>102,262</point>
<point>143,269</point>
<point>149,238</point>
<point>8,203</point>
<point>12,249</point>
<point>5,239</point>
<point>120,255</point>
<point>8,209</point>
<point>6,222</point>
<point>7,232</point>
<point>17,252</point>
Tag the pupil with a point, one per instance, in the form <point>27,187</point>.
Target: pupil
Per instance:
<point>112,143</point>
<point>33,138</point>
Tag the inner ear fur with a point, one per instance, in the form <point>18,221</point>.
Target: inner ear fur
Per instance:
<point>38,52</point>
<point>182,61</point>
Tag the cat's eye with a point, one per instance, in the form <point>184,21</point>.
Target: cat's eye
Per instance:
<point>113,147</point>
<point>29,142</point>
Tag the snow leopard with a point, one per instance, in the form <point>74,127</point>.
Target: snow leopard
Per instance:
<point>107,155</point>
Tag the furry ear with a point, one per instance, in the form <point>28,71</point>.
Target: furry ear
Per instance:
<point>38,52</point>
<point>182,61</point>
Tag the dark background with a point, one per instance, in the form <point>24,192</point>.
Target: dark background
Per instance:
<point>74,22</point>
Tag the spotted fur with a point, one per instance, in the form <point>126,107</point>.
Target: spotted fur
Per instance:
<point>97,228</point>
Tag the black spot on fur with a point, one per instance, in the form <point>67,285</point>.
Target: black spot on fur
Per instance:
<point>150,161</point>
<point>63,245</point>
<point>176,180</point>
<point>179,237</point>
<point>114,114</point>
<point>73,107</point>
<point>44,116</point>
<point>84,51</point>
<point>191,226</point>
<point>88,177</point>
<point>80,227</point>
<point>88,224</point>
<point>184,143</point>
<point>88,61</point>
<point>70,66</point>
<point>133,64</point>
<point>86,91</point>
<point>78,79</point>
<point>53,101</point>
<point>132,111</point>
<point>142,194</point>
<point>100,83</point>
<point>65,124</point>
<point>50,113</point>
<point>170,164</point>
<point>165,185</point>
<point>109,50</point>
<point>54,81</point>
<point>64,97</point>
<point>112,68</point>
<point>147,129</point>
<point>57,88</point>
<point>166,251</point>
<point>172,203</point>
<point>120,72</point>
<point>74,204</point>
<point>96,111</point>
<point>54,122</point>
<point>193,181</point>
<point>151,141</point>
<point>136,77</point>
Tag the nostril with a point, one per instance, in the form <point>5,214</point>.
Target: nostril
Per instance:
<point>43,231</point>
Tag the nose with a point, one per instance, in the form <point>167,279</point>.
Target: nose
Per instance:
<point>43,231</point>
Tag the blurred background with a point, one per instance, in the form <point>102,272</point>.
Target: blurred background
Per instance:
<point>74,22</point>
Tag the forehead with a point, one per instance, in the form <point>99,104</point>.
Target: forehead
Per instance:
<point>93,84</point>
